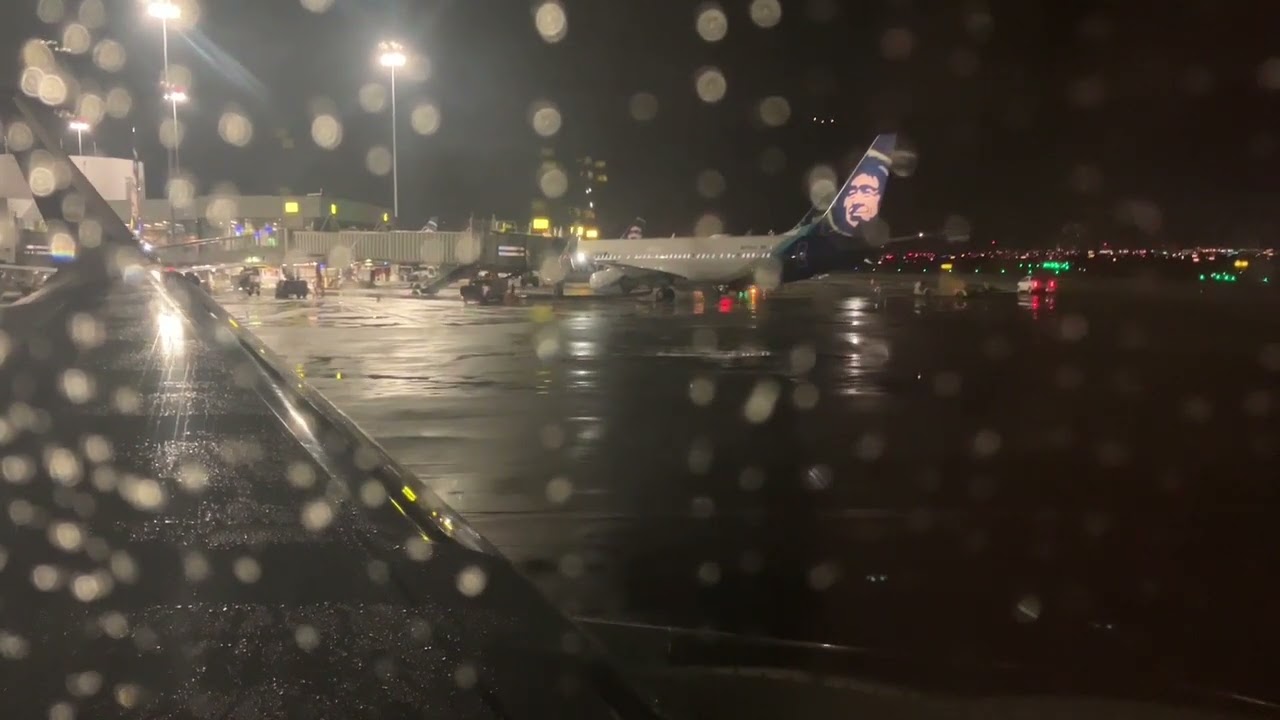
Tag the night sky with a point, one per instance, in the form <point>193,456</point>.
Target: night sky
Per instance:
<point>1138,122</point>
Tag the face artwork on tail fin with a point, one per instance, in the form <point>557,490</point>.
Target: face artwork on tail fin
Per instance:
<point>858,202</point>
<point>635,231</point>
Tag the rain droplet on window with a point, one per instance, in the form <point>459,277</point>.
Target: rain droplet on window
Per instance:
<point>805,396</point>
<point>418,549</point>
<point>472,581</point>
<point>114,624</point>
<point>751,479</point>
<point>897,43</point>
<point>378,160</point>
<point>247,570</point>
<point>707,225</point>
<point>63,465</point>
<point>702,390</point>
<point>372,494</point>
<point>774,111</point>
<point>326,131</point>
<point>551,21</point>
<point>465,676</point>
<point>711,22</point>
<point>84,684</point>
<point>46,578</point>
<point>17,469</point>
<point>765,13</point>
<point>821,182</point>
<point>1073,328</point>
<point>77,386</point>
<point>1269,357</point>
<point>819,477</point>
<point>559,490</point>
<point>1257,403</point>
<point>710,84</point>
<point>1197,410</point>
<point>317,515</point>
<point>700,456</point>
<point>710,184</point>
<point>986,443</point>
<point>643,107</point>
<point>572,566</point>
<point>708,574</point>
<point>772,161</point>
<point>307,637</point>
<point>1028,609</point>
<point>66,536</point>
<point>870,447</point>
<point>823,575</point>
<point>373,97</point>
<point>51,11</point>
<point>235,128</point>
<point>378,572</point>
<point>760,404</point>
<point>1269,74</point>
<point>301,475</point>
<point>552,180</point>
<point>545,118</point>
<point>425,118</point>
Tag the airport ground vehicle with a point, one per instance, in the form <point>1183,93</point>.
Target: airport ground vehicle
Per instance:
<point>1037,284</point>
<point>292,288</point>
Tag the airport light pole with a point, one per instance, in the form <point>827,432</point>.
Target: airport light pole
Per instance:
<point>80,127</point>
<point>166,11</point>
<point>391,55</point>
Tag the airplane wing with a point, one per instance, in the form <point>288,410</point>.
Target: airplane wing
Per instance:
<point>229,543</point>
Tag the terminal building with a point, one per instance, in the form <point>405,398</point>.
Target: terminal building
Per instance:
<point>263,218</point>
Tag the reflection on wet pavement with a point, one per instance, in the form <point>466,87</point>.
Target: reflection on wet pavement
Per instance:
<point>977,477</point>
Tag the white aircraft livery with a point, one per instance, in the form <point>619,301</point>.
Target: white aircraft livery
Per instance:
<point>816,246</point>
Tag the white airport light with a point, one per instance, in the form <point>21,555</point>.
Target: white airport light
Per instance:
<point>391,55</point>
<point>78,125</point>
<point>177,96</point>
<point>164,10</point>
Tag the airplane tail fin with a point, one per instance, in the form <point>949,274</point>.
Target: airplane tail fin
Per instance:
<point>635,230</point>
<point>858,201</point>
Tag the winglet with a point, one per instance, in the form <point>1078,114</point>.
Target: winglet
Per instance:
<point>61,190</point>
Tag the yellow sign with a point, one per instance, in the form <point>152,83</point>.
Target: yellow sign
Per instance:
<point>386,217</point>
<point>290,207</point>
<point>592,233</point>
<point>541,223</point>
<point>333,208</point>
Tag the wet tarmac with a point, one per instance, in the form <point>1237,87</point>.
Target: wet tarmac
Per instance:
<point>1086,483</point>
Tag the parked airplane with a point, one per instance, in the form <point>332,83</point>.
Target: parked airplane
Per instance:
<point>816,246</point>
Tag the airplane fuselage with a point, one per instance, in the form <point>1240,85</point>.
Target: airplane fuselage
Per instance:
<point>718,259</point>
